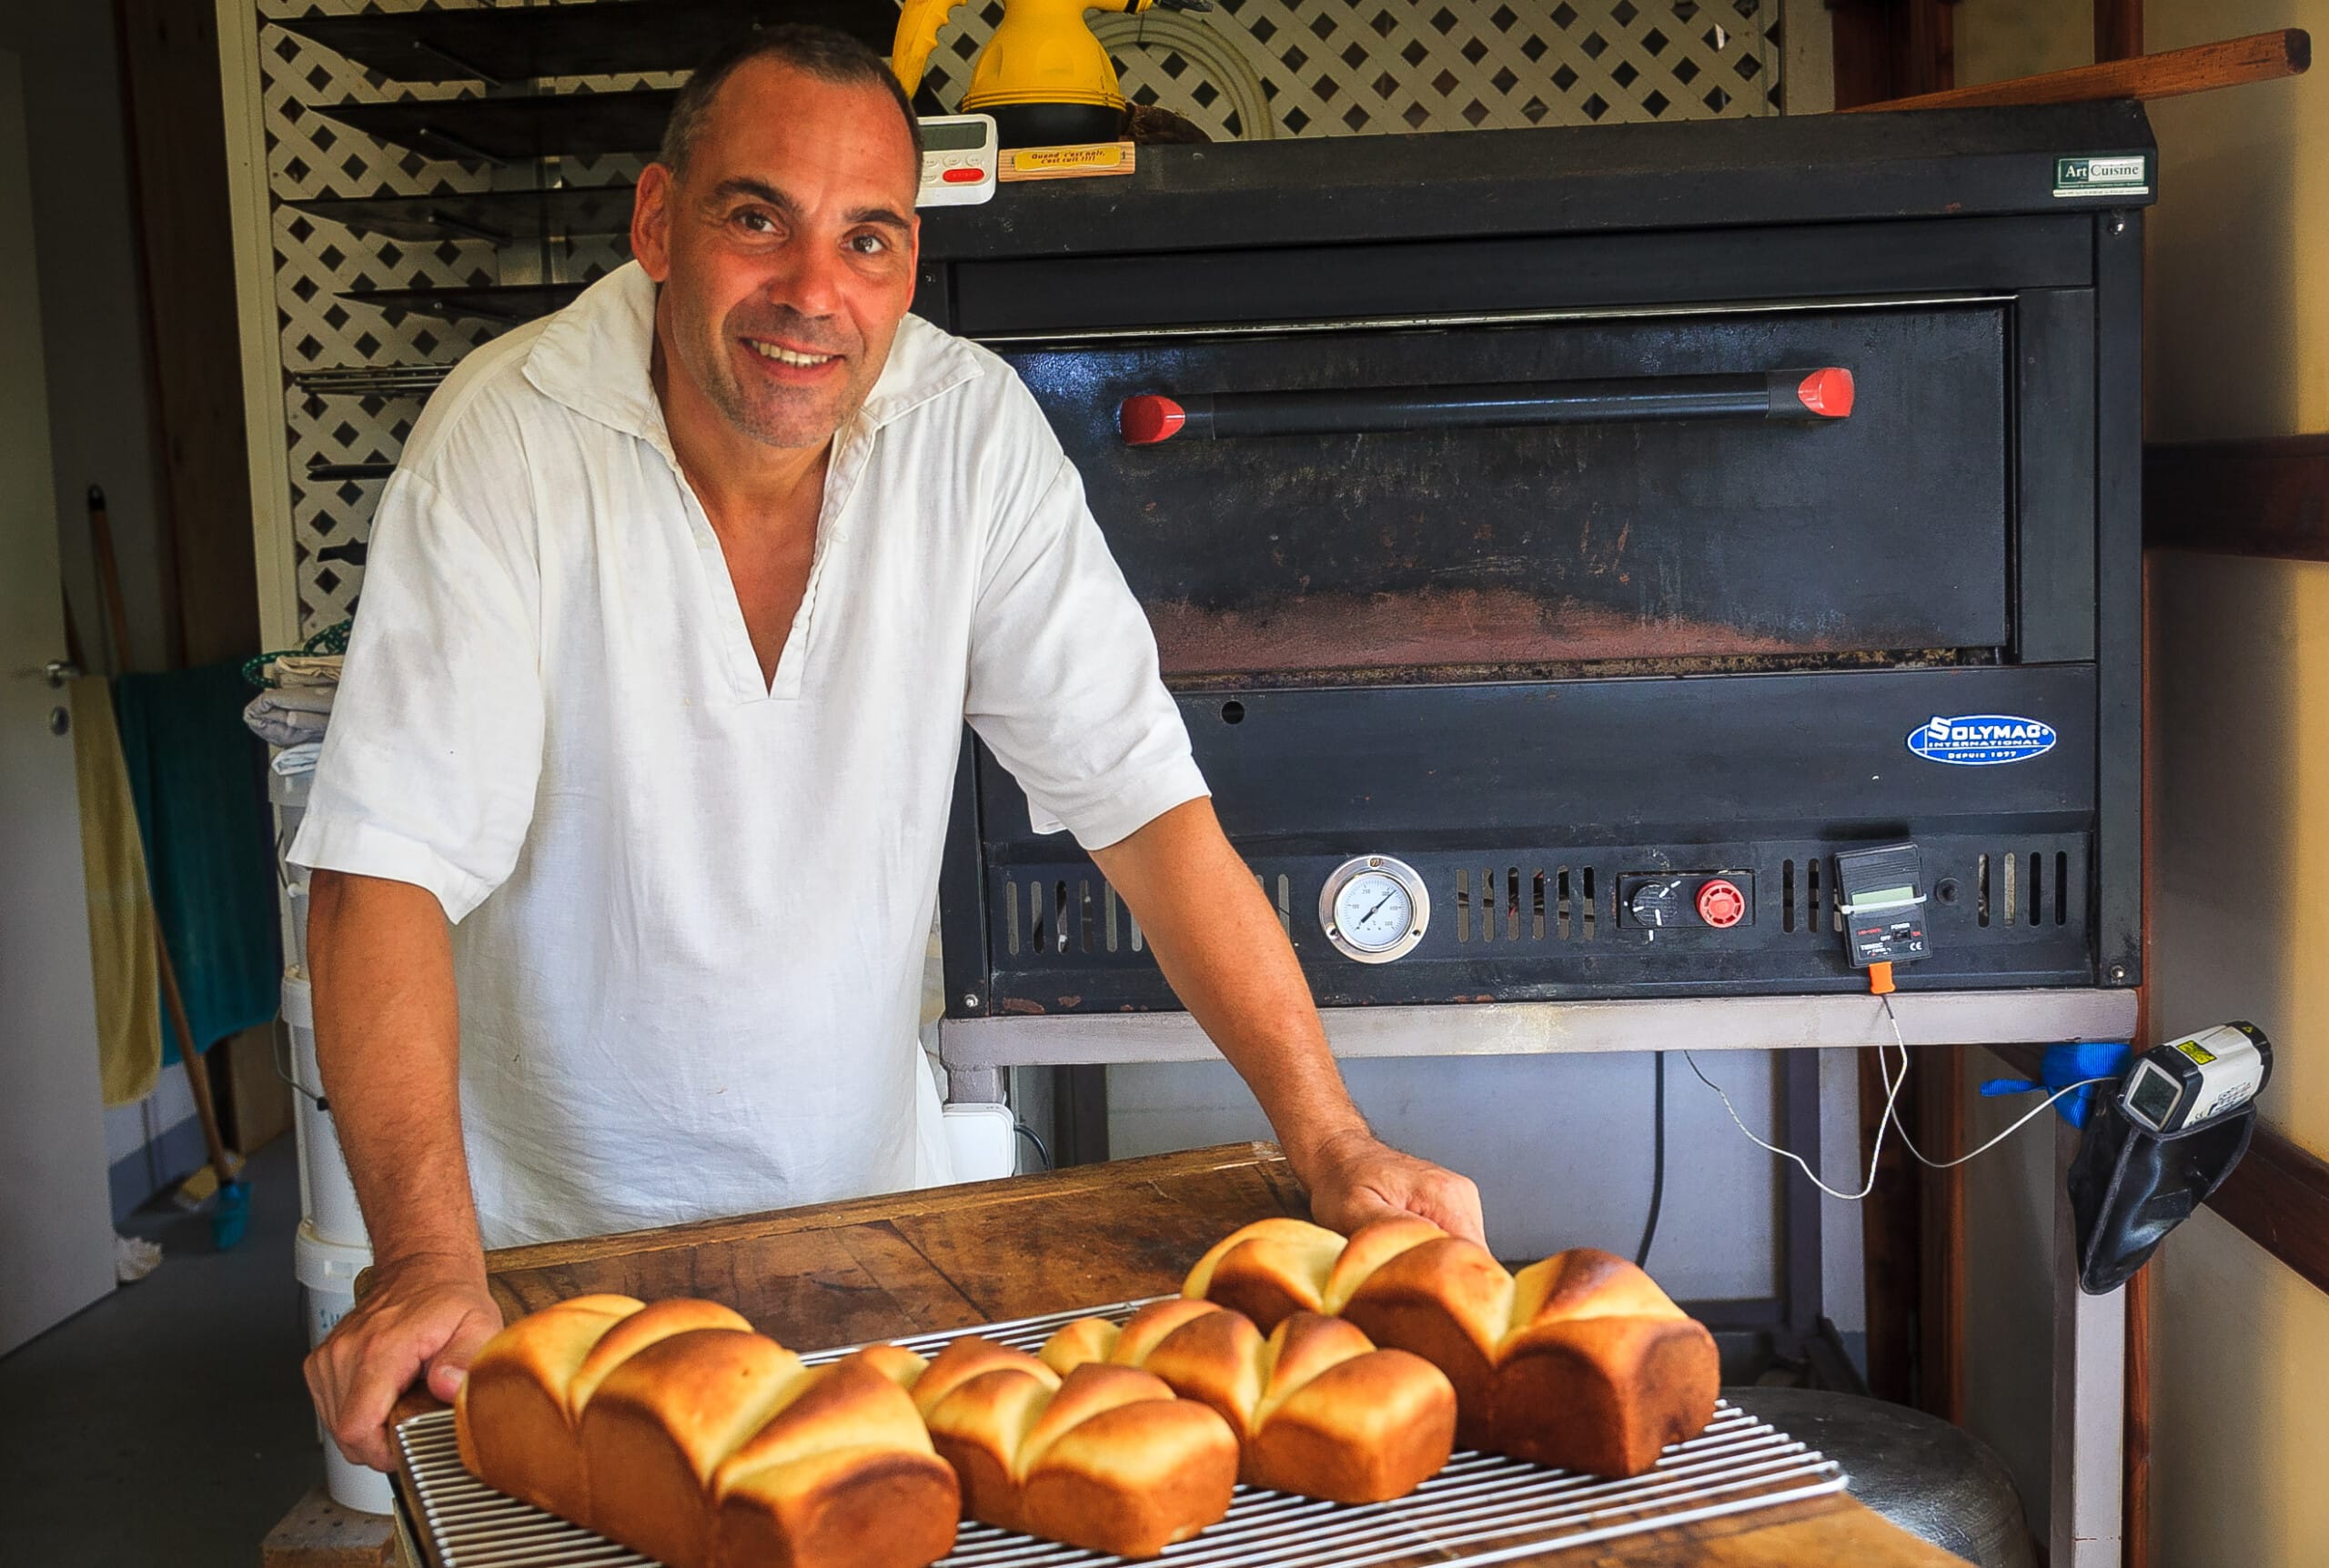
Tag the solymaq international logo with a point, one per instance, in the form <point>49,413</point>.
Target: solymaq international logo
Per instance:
<point>1982,740</point>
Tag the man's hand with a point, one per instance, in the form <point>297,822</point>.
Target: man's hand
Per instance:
<point>1356,1178</point>
<point>1220,945</point>
<point>424,1315</point>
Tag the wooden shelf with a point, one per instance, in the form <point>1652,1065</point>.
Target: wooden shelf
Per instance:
<point>614,36</point>
<point>495,218</point>
<point>509,303</point>
<point>515,130</point>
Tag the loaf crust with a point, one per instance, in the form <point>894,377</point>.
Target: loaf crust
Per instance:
<point>1317,1410</point>
<point>1580,1361</point>
<point>675,1431</point>
<point>1105,1458</point>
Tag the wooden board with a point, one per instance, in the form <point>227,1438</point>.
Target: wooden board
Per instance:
<point>872,1268</point>
<point>319,1534</point>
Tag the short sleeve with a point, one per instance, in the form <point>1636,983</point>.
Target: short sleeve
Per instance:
<point>435,743</point>
<point>1063,682</point>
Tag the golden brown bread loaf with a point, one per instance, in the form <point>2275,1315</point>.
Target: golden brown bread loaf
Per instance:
<point>1580,1361</point>
<point>679,1432</point>
<point>1105,1458</point>
<point>1317,1410</point>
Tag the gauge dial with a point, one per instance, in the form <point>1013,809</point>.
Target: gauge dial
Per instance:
<point>1374,909</point>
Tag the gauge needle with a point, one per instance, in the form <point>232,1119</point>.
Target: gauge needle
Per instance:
<point>1378,904</point>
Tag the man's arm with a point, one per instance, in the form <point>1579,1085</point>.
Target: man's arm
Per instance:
<point>387,1039</point>
<point>1221,947</point>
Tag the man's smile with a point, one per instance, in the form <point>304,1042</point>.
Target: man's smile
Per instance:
<point>798,358</point>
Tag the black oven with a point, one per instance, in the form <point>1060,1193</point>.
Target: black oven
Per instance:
<point>1584,519</point>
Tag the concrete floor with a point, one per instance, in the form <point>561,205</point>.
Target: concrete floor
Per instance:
<point>167,1423</point>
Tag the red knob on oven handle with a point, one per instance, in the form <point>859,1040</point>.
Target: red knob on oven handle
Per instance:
<point>1147,417</point>
<point>1827,392</point>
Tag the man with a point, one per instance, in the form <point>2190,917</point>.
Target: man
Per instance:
<point>677,605</point>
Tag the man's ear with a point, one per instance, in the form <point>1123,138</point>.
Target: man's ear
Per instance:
<point>651,220</point>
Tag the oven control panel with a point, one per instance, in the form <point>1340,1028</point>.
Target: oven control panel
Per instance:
<point>1716,900</point>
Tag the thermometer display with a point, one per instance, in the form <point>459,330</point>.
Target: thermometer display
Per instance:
<point>1374,909</point>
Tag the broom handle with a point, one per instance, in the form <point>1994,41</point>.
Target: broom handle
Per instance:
<point>197,1077</point>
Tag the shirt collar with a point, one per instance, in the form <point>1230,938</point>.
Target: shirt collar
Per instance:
<point>593,357</point>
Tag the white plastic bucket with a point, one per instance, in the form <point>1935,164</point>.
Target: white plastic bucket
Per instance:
<point>288,791</point>
<point>326,1196</point>
<point>328,1270</point>
<point>983,1138</point>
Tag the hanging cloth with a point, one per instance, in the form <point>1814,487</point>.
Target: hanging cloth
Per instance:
<point>121,909</point>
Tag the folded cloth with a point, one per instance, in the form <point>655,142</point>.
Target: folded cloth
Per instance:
<point>297,670</point>
<point>196,777</point>
<point>290,715</point>
<point>121,910</point>
<point>300,759</point>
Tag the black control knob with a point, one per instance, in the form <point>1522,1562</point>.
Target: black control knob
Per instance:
<point>1659,903</point>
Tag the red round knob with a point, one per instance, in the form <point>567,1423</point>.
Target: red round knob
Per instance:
<point>1720,904</point>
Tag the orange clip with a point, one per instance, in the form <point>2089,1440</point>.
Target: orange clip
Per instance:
<point>1880,980</point>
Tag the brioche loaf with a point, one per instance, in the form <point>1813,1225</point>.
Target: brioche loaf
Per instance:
<point>675,1431</point>
<point>1104,1458</point>
<point>1580,1361</point>
<point>1317,1410</point>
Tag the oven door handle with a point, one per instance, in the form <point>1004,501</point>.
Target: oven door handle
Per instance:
<point>1801,396</point>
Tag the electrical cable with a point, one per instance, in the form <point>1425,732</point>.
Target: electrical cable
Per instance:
<point>1658,1161</point>
<point>2017,1125</point>
<point>1033,1138</point>
<point>1889,1120</point>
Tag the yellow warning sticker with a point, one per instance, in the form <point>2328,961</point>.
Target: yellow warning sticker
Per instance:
<point>2196,1052</point>
<point>1094,155</point>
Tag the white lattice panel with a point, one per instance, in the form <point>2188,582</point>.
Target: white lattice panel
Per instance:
<point>1314,67</point>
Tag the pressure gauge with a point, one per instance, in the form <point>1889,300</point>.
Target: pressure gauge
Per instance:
<point>1374,908</point>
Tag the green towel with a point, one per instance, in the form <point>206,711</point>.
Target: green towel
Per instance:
<point>198,777</point>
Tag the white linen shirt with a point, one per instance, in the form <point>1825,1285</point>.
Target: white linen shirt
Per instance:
<point>691,907</point>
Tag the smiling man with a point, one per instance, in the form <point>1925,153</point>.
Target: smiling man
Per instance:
<point>626,833</point>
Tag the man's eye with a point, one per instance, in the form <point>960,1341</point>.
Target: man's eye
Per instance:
<point>758,222</point>
<point>868,244</point>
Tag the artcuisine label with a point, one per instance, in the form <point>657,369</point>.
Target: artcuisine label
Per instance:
<point>1982,740</point>
<point>2121,176</point>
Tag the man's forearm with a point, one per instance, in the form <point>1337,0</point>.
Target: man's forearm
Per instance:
<point>1220,945</point>
<point>387,1039</point>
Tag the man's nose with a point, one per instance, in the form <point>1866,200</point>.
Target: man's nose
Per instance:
<point>809,280</point>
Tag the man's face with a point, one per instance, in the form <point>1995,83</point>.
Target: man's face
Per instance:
<point>787,251</point>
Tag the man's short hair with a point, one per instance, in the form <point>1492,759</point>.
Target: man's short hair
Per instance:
<point>825,53</point>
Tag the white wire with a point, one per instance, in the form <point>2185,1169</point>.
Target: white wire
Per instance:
<point>1873,1154</point>
<point>1890,1120</point>
<point>1945,1164</point>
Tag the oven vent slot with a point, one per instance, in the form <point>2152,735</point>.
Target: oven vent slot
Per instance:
<point>1280,898</point>
<point>1799,898</point>
<point>1513,904</point>
<point>1048,916</point>
<point>2026,888</point>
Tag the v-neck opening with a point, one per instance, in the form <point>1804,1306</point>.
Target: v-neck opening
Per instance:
<point>743,658</point>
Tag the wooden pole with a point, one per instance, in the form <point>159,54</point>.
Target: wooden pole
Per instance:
<point>2118,29</point>
<point>2203,67</point>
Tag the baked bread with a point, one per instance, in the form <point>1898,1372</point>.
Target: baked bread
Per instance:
<point>1580,1361</point>
<point>1104,1458</point>
<point>1317,1410</point>
<point>675,1431</point>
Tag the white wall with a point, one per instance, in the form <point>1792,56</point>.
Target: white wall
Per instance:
<point>2238,345</point>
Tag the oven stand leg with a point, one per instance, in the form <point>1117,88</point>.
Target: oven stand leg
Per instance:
<point>974,1085</point>
<point>2089,1403</point>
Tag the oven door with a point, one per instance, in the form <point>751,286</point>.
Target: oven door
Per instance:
<point>1613,510</point>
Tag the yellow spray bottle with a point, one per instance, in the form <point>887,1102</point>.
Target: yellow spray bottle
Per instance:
<point>1045,79</point>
